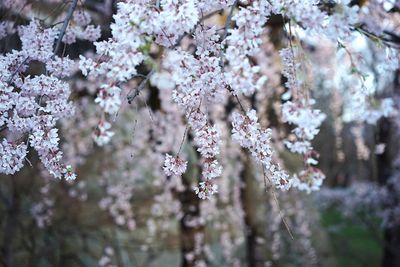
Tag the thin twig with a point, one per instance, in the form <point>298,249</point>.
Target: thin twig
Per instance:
<point>240,104</point>
<point>390,42</point>
<point>354,68</point>
<point>272,191</point>
<point>17,70</point>
<point>60,6</point>
<point>237,99</point>
<point>148,108</point>
<point>228,20</point>
<point>65,25</point>
<point>183,139</point>
<point>141,86</point>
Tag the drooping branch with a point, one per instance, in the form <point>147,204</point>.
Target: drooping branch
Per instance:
<point>391,40</point>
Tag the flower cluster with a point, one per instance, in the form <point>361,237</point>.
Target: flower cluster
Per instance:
<point>109,98</point>
<point>244,41</point>
<point>37,43</point>
<point>135,25</point>
<point>102,135</point>
<point>336,25</point>
<point>207,140</point>
<point>12,156</point>
<point>81,29</point>
<point>198,80</point>
<point>190,76</point>
<point>246,36</point>
<point>206,40</point>
<point>309,179</point>
<point>200,65</point>
<point>339,24</point>
<point>358,107</point>
<point>174,166</point>
<point>306,13</point>
<point>307,122</point>
<point>289,70</point>
<point>248,133</point>
<point>31,106</point>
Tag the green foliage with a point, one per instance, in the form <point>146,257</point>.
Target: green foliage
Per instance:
<point>352,243</point>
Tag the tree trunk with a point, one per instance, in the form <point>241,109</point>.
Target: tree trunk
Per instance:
<point>388,167</point>
<point>390,134</point>
<point>190,205</point>
<point>248,198</point>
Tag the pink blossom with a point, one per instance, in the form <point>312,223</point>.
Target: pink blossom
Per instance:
<point>12,156</point>
<point>174,166</point>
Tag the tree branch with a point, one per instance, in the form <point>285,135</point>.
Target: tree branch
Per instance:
<point>393,41</point>
<point>65,24</point>
<point>135,93</point>
<point>16,71</point>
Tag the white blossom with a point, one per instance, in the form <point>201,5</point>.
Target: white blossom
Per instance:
<point>174,166</point>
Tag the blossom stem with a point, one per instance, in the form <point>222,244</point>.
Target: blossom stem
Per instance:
<point>183,139</point>
<point>272,191</point>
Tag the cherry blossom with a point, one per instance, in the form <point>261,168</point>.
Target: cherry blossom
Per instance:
<point>192,106</point>
<point>33,104</point>
<point>12,156</point>
<point>102,135</point>
<point>174,166</point>
<point>307,123</point>
<point>248,133</point>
